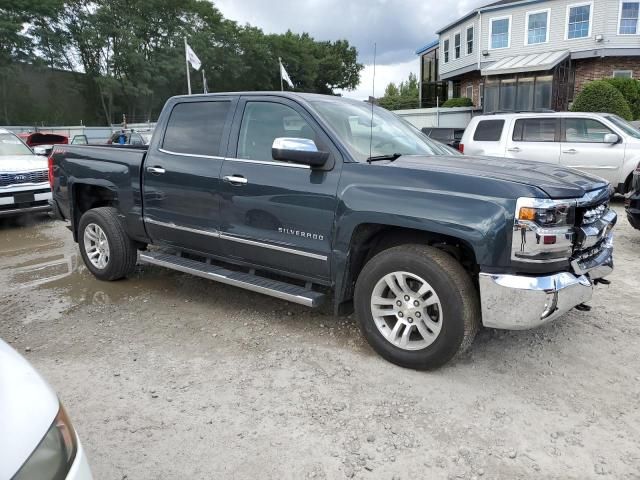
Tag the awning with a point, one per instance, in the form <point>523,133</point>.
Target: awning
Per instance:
<point>526,63</point>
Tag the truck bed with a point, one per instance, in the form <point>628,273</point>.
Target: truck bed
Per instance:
<point>77,169</point>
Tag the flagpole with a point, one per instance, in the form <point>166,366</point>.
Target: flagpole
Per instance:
<point>281,83</point>
<point>186,61</point>
<point>204,83</point>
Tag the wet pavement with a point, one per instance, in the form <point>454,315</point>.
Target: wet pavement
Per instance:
<point>166,375</point>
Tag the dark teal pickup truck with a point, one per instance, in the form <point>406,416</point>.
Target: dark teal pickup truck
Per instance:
<point>299,196</point>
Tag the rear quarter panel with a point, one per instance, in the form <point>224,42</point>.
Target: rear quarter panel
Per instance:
<point>116,169</point>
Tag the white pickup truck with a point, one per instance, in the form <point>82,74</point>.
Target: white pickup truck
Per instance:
<point>24,178</point>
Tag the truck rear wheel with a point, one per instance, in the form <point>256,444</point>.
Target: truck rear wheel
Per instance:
<point>106,249</point>
<point>416,306</point>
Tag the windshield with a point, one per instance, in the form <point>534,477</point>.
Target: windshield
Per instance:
<point>389,135</point>
<point>11,145</point>
<point>624,125</point>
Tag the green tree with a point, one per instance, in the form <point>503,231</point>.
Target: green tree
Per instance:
<point>601,96</point>
<point>630,90</point>
<point>403,96</point>
<point>131,52</point>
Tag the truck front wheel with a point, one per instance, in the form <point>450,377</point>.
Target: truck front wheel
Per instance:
<point>416,306</point>
<point>106,249</point>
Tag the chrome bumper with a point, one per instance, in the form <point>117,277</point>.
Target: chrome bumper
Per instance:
<point>518,302</point>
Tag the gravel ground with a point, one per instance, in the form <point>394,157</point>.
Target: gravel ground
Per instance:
<point>171,376</point>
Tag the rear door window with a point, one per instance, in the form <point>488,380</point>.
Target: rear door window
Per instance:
<point>535,130</point>
<point>488,131</point>
<point>195,128</point>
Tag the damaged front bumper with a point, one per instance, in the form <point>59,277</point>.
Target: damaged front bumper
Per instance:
<point>520,302</point>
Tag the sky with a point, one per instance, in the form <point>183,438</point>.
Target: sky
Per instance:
<point>397,27</point>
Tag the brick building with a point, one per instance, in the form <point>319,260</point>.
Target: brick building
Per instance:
<point>516,55</point>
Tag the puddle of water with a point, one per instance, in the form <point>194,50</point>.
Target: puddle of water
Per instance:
<point>42,257</point>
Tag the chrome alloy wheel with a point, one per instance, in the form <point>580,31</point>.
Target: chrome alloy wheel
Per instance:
<point>96,246</point>
<point>406,310</point>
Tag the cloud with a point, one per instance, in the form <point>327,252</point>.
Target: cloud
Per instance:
<point>397,27</point>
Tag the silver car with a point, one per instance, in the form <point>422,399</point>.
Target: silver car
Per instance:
<point>37,440</point>
<point>24,178</point>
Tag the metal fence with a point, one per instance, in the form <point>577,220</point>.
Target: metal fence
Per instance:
<point>93,134</point>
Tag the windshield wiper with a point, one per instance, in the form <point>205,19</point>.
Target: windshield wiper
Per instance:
<point>390,156</point>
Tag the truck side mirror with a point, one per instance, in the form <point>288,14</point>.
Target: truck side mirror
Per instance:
<point>298,150</point>
<point>611,138</point>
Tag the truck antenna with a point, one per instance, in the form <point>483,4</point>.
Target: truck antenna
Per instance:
<point>372,100</point>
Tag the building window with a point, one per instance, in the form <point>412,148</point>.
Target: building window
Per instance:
<point>524,97</point>
<point>500,32</point>
<point>469,91</point>
<point>456,44</point>
<point>469,40</point>
<point>445,50</point>
<point>579,21</point>
<point>481,94</point>
<point>629,18</point>
<point>537,27</point>
<point>622,74</point>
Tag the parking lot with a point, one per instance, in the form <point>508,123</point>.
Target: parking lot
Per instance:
<point>171,376</point>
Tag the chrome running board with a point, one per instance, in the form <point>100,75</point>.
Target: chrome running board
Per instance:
<point>248,281</point>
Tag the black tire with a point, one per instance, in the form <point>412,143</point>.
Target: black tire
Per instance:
<point>458,298</point>
<point>123,253</point>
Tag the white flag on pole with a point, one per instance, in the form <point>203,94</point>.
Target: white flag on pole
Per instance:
<point>192,57</point>
<point>285,75</point>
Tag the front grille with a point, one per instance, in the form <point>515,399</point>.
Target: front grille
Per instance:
<point>592,214</point>
<point>7,179</point>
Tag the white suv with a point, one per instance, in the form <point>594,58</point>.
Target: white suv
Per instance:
<point>24,178</point>
<point>601,144</point>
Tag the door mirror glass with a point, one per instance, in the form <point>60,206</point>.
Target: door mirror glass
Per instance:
<point>298,150</point>
<point>611,138</point>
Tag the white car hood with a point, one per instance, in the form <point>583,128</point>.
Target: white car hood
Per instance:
<point>22,163</point>
<point>28,406</point>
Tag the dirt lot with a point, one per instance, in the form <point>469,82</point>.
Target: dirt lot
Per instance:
<point>171,376</point>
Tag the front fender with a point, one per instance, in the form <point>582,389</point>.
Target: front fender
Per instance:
<point>481,222</point>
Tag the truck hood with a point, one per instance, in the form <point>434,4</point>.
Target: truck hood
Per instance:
<point>22,163</point>
<point>554,180</point>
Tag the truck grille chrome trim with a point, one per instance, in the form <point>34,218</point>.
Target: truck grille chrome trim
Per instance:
<point>231,238</point>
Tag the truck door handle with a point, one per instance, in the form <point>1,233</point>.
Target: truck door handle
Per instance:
<point>571,151</point>
<point>235,179</point>
<point>514,149</point>
<point>156,170</point>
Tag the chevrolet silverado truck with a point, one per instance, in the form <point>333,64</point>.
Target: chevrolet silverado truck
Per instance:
<point>304,197</point>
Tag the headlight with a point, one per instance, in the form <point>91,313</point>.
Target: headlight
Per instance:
<point>558,215</point>
<point>53,457</point>
<point>543,230</point>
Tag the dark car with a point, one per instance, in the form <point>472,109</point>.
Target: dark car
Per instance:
<point>298,195</point>
<point>448,136</point>
<point>632,200</point>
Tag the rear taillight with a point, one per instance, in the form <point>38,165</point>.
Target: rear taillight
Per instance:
<point>50,168</point>
<point>461,147</point>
